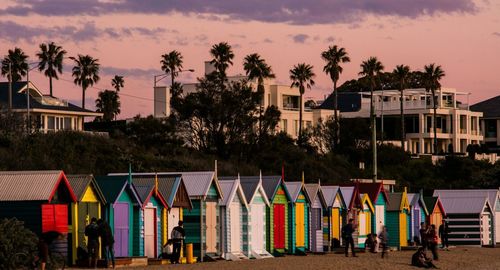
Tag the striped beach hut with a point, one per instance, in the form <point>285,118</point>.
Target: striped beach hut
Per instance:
<point>398,220</point>
<point>233,207</point>
<point>277,215</point>
<point>149,238</point>
<point>316,209</point>
<point>378,197</point>
<point>258,203</point>
<point>298,217</point>
<point>364,219</point>
<point>470,220</point>
<point>332,220</point>
<point>121,211</point>
<point>41,199</point>
<point>493,197</point>
<point>418,213</point>
<point>90,202</point>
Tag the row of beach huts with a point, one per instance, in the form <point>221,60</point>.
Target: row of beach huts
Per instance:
<point>238,217</point>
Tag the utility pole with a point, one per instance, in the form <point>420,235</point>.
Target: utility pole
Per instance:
<point>28,126</point>
<point>10,85</point>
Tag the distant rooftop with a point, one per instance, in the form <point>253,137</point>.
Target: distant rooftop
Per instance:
<point>490,107</point>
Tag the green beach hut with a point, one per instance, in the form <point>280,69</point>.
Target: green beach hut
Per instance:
<point>298,218</point>
<point>398,220</point>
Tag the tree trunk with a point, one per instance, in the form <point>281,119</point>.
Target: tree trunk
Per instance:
<point>374,133</point>
<point>83,98</point>
<point>336,138</point>
<point>434,122</point>
<point>403,135</point>
<point>259,88</point>
<point>300,119</point>
<point>10,86</point>
<point>50,83</point>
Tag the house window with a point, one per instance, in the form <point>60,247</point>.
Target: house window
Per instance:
<point>296,125</point>
<point>67,123</point>
<point>284,124</point>
<point>51,124</point>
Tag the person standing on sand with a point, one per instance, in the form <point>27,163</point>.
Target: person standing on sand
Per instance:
<point>433,241</point>
<point>443,234</point>
<point>177,236</point>
<point>92,232</point>
<point>423,235</point>
<point>384,238</point>
<point>108,242</point>
<point>347,232</point>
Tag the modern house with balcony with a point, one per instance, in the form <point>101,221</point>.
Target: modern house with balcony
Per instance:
<point>490,122</point>
<point>47,112</point>
<point>456,124</point>
<point>284,97</point>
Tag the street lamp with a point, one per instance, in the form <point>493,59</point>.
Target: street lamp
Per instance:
<point>160,77</point>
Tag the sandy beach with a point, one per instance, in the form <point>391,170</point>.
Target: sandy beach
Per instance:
<point>458,258</point>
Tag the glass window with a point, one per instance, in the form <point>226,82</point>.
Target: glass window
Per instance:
<point>296,122</point>
<point>67,123</point>
<point>51,123</point>
<point>284,125</point>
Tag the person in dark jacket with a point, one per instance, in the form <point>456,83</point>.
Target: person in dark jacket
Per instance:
<point>423,234</point>
<point>384,239</point>
<point>177,236</point>
<point>347,232</point>
<point>420,259</point>
<point>444,230</point>
<point>92,233</point>
<point>107,241</point>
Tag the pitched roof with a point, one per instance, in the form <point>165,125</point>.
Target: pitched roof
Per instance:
<point>490,107</point>
<point>397,200</point>
<point>113,185</point>
<point>32,185</point>
<point>270,184</point>
<point>492,194</point>
<point>348,194</point>
<point>464,205</point>
<point>432,202</point>
<point>294,189</point>
<point>373,190</point>
<point>329,192</point>
<point>250,185</point>
<point>362,198</point>
<point>145,187</point>
<point>313,191</point>
<point>80,182</point>
<point>415,198</point>
<point>231,188</point>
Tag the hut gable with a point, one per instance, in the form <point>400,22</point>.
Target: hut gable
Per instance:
<point>271,184</point>
<point>462,205</point>
<point>315,194</point>
<point>112,187</point>
<point>432,203</point>
<point>365,202</point>
<point>416,199</point>
<point>147,188</point>
<point>85,185</point>
<point>348,193</point>
<point>35,186</point>
<point>230,189</point>
<point>373,190</point>
<point>492,194</point>
<point>295,189</point>
<point>397,202</point>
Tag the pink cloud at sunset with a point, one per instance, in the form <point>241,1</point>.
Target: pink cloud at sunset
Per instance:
<point>128,37</point>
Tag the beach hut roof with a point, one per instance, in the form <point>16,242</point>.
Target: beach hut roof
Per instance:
<point>251,185</point>
<point>270,183</point>
<point>146,187</point>
<point>113,185</point>
<point>373,190</point>
<point>32,185</point>
<point>364,198</point>
<point>432,202</point>
<point>397,201</point>
<point>314,190</point>
<point>492,194</point>
<point>415,198</point>
<point>229,189</point>
<point>294,189</point>
<point>465,205</point>
<point>80,182</point>
<point>348,195</point>
<point>330,192</point>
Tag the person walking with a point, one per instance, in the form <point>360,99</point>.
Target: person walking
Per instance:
<point>384,238</point>
<point>107,241</point>
<point>423,235</point>
<point>432,239</point>
<point>177,237</point>
<point>443,234</point>
<point>92,233</point>
<point>347,232</point>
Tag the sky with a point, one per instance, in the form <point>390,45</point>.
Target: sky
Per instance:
<point>129,37</point>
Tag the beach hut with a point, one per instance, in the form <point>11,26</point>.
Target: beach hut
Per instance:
<point>277,215</point>
<point>378,196</point>
<point>298,217</point>
<point>493,197</point>
<point>41,199</point>
<point>398,220</point>
<point>153,204</point>
<point>470,220</point>
<point>364,219</point>
<point>332,220</point>
<point>256,217</point>
<point>349,193</point>
<point>316,209</point>
<point>436,211</point>
<point>121,212</point>
<point>233,207</point>
<point>418,213</point>
<point>90,202</point>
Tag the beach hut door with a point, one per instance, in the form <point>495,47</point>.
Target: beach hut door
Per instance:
<point>211,226</point>
<point>86,211</point>
<point>379,215</point>
<point>234,218</point>
<point>485,226</point>
<point>149,232</point>
<point>279,226</point>
<point>121,217</point>
<point>299,224</point>
<point>257,227</point>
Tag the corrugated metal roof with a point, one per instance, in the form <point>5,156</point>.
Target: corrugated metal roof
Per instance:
<point>413,198</point>
<point>464,205</point>
<point>112,186</point>
<point>372,189</point>
<point>249,184</point>
<point>492,194</point>
<point>144,191</point>
<point>79,183</point>
<point>293,189</point>
<point>228,188</point>
<point>329,192</point>
<point>394,201</point>
<point>28,185</point>
<point>347,193</point>
<point>270,184</point>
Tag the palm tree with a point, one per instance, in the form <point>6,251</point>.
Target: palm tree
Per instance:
<point>14,67</point>
<point>302,76</point>
<point>401,74</point>
<point>108,103</point>
<point>257,68</point>
<point>432,76</point>
<point>85,73</point>
<point>333,57</point>
<point>223,57</point>
<point>117,82</point>
<point>371,68</point>
<point>51,61</point>
<point>171,63</point>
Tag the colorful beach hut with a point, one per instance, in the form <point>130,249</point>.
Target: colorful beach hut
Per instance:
<point>493,197</point>
<point>418,213</point>
<point>299,217</point>
<point>364,218</point>
<point>121,212</point>
<point>256,218</point>
<point>41,199</point>
<point>90,202</point>
<point>398,220</point>
<point>378,196</point>
<point>149,242</point>
<point>469,220</point>
<point>233,207</point>
<point>332,220</point>
<point>349,193</point>
<point>277,215</point>
<point>316,209</point>
<point>436,211</point>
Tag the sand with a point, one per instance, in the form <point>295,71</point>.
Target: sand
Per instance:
<point>457,258</point>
